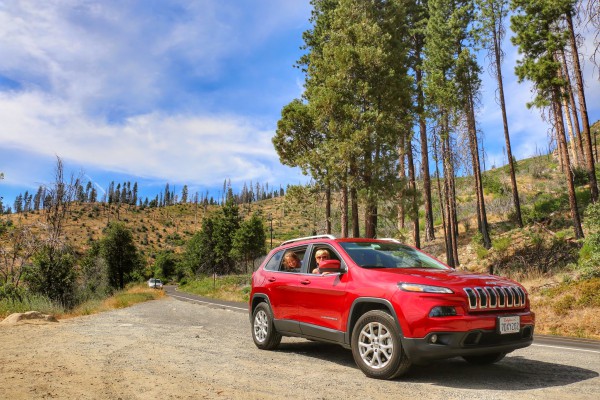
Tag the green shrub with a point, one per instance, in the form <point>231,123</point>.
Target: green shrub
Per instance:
<point>580,176</point>
<point>481,252</point>
<point>589,255</point>
<point>477,238</point>
<point>502,244</point>
<point>493,185</point>
<point>545,204</point>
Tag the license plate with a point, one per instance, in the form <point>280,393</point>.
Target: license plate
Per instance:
<point>509,325</point>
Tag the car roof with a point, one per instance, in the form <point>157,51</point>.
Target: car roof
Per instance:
<point>331,238</point>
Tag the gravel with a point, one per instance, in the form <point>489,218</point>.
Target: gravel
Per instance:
<point>173,349</point>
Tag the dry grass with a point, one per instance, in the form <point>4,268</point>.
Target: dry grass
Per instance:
<point>125,298</point>
<point>567,308</point>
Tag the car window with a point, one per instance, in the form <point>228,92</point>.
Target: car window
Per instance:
<point>274,262</point>
<point>333,255</point>
<point>389,255</point>
<point>295,252</point>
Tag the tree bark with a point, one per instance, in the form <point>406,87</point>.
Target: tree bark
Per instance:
<point>560,133</point>
<point>441,200</point>
<point>328,208</point>
<point>449,190</point>
<point>344,213</point>
<point>474,147</point>
<point>573,106</point>
<point>589,156</point>
<point>402,176</point>
<point>429,229</point>
<point>355,219</point>
<point>414,212</point>
<point>354,202</point>
<point>513,179</point>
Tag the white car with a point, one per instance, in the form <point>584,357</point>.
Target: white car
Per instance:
<point>155,283</point>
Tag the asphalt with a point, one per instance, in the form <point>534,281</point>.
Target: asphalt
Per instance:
<point>539,340</point>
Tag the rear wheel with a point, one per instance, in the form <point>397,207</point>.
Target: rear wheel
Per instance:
<point>263,331</point>
<point>484,359</point>
<point>376,346</point>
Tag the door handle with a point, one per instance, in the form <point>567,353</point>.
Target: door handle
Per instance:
<point>305,282</point>
<point>271,279</point>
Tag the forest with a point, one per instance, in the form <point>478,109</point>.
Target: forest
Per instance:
<point>387,130</point>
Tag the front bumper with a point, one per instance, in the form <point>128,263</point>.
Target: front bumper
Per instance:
<point>470,343</point>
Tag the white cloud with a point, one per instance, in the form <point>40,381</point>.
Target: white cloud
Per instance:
<point>142,87</point>
<point>175,148</point>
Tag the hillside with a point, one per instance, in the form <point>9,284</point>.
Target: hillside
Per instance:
<point>542,255</point>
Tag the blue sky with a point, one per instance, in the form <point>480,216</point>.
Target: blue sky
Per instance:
<point>178,92</point>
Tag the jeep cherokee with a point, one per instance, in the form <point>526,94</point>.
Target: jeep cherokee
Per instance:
<point>391,304</point>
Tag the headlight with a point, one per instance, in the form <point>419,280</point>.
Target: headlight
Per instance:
<point>413,287</point>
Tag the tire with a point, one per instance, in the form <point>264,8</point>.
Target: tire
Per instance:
<point>485,359</point>
<point>263,331</point>
<point>376,346</point>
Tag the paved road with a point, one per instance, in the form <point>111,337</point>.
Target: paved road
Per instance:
<point>182,347</point>
<point>569,344</point>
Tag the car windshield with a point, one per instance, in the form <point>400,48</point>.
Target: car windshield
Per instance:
<point>389,255</point>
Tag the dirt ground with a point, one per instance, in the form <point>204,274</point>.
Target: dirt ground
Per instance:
<point>173,349</point>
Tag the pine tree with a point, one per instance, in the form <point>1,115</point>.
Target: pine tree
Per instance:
<point>537,34</point>
<point>184,194</point>
<point>491,16</point>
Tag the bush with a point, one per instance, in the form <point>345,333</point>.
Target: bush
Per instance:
<point>492,184</point>
<point>545,204</point>
<point>580,176</point>
<point>589,255</point>
<point>52,274</point>
<point>502,244</point>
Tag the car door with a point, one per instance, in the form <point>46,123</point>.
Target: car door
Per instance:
<point>322,298</point>
<point>282,286</point>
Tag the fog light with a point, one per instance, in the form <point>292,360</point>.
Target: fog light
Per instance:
<point>433,339</point>
<point>442,311</point>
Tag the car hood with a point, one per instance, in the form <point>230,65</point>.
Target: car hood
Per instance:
<point>446,278</point>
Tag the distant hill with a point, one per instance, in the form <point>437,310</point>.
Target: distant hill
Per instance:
<point>542,254</point>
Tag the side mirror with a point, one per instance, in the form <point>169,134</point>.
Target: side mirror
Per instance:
<point>330,266</point>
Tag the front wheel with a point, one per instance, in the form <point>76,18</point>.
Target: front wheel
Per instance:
<point>376,346</point>
<point>484,359</point>
<point>263,331</point>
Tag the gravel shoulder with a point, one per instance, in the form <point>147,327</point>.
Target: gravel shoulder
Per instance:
<point>174,349</point>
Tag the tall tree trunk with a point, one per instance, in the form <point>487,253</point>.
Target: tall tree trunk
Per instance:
<point>429,229</point>
<point>560,133</point>
<point>371,198</point>
<point>402,176</point>
<point>474,147</point>
<point>449,189</point>
<point>344,214</point>
<point>573,108</point>
<point>371,218</point>
<point>441,200</point>
<point>511,164</point>
<point>572,140</point>
<point>414,210</point>
<point>354,206</point>
<point>583,110</point>
<point>328,208</point>
<point>354,201</point>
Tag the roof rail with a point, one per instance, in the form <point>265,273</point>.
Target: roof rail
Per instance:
<point>307,238</point>
<point>391,240</point>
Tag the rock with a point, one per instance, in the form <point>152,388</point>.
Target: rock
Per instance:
<point>15,318</point>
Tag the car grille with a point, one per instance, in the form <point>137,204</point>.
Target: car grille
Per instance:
<point>491,297</point>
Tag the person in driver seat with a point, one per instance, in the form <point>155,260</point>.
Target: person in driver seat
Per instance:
<point>320,255</point>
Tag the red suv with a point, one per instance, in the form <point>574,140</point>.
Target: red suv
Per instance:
<point>391,304</point>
